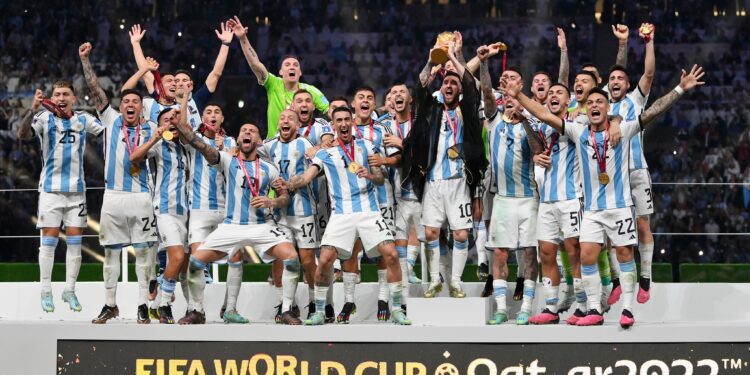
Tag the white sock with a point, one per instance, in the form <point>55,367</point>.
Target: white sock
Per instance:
<point>279,293</point>
<point>550,294</point>
<point>111,275</point>
<point>592,284</point>
<point>520,256</point>
<point>446,263</point>
<point>614,265</point>
<point>310,293</point>
<point>46,261</point>
<point>184,285</point>
<point>412,252</point>
<point>402,262</point>
<point>167,291</point>
<point>329,293</point>
<point>234,284</point>
<point>289,278</point>
<point>321,295</point>
<point>500,289</point>
<point>350,282</point>
<point>395,290</point>
<point>196,283</point>
<point>529,289</point>
<point>432,251</point>
<point>382,285</point>
<point>627,282</point>
<point>579,292</point>
<point>481,240</point>
<point>460,254</point>
<point>647,256</point>
<point>141,272</point>
<point>73,262</point>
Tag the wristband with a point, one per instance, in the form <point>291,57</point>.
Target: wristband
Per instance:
<point>679,90</point>
<point>225,43</point>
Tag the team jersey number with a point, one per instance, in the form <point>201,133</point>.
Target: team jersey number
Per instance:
<point>625,226</point>
<point>69,136</point>
<point>307,230</point>
<point>148,223</point>
<point>284,165</point>
<point>465,210</point>
<point>244,182</point>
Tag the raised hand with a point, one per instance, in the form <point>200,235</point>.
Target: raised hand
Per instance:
<point>621,32</point>
<point>85,50</point>
<point>459,40</point>
<point>226,33</point>
<point>483,53</point>
<point>510,88</point>
<point>235,25</point>
<point>38,97</point>
<point>496,48</point>
<point>136,34</point>
<point>561,42</point>
<point>152,64</point>
<point>692,79</point>
<point>649,28</point>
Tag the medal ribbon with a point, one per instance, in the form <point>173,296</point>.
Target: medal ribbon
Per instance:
<point>254,187</point>
<point>158,86</point>
<point>203,127</point>
<point>398,128</point>
<point>349,154</point>
<point>372,132</point>
<point>453,124</point>
<point>309,127</point>
<point>552,142</point>
<point>130,147</point>
<point>600,158</point>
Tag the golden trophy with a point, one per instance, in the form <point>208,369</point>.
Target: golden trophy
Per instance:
<point>439,54</point>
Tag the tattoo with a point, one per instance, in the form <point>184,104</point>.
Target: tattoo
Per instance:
<point>500,264</point>
<point>210,153</point>
<point>660,106</point>
<point>424,75</point>
<point>564,68</point>
<point>261,73</point>
<point>490,106</point>
<point>377,175</point>
<point>25,131</point>
<point>282,200</point>
<point>622,55</point>
<point>533,138</point>
<point>530,263</point>
<point>324,278</point>
<point>100,98</point>
<point>296,182</point>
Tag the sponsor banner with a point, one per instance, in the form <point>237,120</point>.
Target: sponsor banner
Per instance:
<point>315,358</point>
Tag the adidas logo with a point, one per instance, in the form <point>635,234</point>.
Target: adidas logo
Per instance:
<point>469,221</point>
<point>650,206</point>
<point>632,237</point>
<point>575,229</point>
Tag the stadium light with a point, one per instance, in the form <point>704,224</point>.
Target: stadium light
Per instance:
<point>663,251</point>
<point>700,253</point>
<point>192,66</point>
<point>676,13</point>
<point>179,34</point>
<point>122,27</point>
<point>86,98</point>
<point>240,103</point>
<point>674,152</point>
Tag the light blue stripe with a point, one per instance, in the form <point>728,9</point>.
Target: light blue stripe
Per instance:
<point>49,241</point>
<point>245,192</point>
<point>570,172</point>
<point>74,240</point>
<point>260,213</point>
<point>528,292</point>
<point>80,187</point>
<point>333,175</point>
<point>628,266</point>
<point>494,152</point>
<point>432,245</point>
<point>304,194</point>
<point>526,167</point>
<point>166,171</point>
<point>112,157</point>
<point>590,269</point>
<point>168,285</point>
<point>555,170</point>
<point>619,194</point>
<point>231,193</point>
<point>181,178</point>
<point>585,162</point>
<point>601,198</point>
<point>510,183</point>
<point>51,141</point>
<point>458,245</point>
<point>500,292</point>
<point>197,179</point>
<point>213,183</point>
<point>401,251</point>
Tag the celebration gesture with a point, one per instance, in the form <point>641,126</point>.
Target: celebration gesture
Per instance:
<point>561,42</point>
<point>136,34</point>
<point>621,32</point>
<point>85,50</point>
<point>226,33</point>
<point>483,53</point>
<point>38,97</point>
<point>692,79</point>
<point>235,25</point>
<point>152,64</point>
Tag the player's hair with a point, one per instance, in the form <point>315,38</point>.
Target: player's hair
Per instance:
<point>589,65</point>
<point>162,113</point>
<point>164,74</point>
<point>616,68</point>
<point>587,73</point>
<point>214,104</point>
<point>364,88</point>
<point>340,99</point>
<point>514,69</point>
<point>289,56</point>
<point>451,73</point>
<point>341,109</point>
<point>561,85</point>
<point>262,130</point>
<point>542,72</point>
<point>65,84</point>
<point>401,83</point>
<point>127,92</point>
<point>183,71</point>
<point>599,91</point>
<point>301,91</point>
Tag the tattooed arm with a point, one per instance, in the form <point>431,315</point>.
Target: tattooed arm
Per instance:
<point>564,61</point>
<point>304,179</point>
<point>261,73</point>
<point>97,93</point>
<point>661,105</point>
<point>490,105</point>
<point>621,32</point>
<point>211,154</point>
<point>25,131</point>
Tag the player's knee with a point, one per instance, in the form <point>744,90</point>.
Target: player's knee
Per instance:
<point>461,235</point>
<point>196,264</point>
<point>292,265</point>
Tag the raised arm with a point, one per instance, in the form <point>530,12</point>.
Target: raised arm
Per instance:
<point>460,68</point>
<point>687,82</point>
<point>132,82</point>
<point>537,110</point>
<point>189,137</point>
<point>225,36</point>
<point>261,73</point>
<point>459,47</point>
<point>495,48</point>
<point>621,32</point>
<point>136,35</point>
<point>649,69</point>
<point>424,75</point>
<point>532,138</point>
<point>564,73</point>
<point>141,152</point>
<point>97,93</point>
<point>25,131</point>
<point>490,105</point>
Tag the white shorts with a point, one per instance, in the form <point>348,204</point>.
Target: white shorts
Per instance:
<point>640,188</point>
<point>229,238</point>
<point>302,231</point>
<point>408,214</point>
<point>513,223</point>
<point>173,230</point>
<point>617,224</point>
<point>389,215</point>
<point>322,215</point>
<point>447,200</point>
<point>202,223</point>
<point>539,177</point>
<point>344,229</point>
<point>559,220</point>
<point>66,208</point>
<point>488,196</point>
<point>127,218</point>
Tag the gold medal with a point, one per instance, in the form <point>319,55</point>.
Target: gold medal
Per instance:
<point>647,29</point>
<point>135,170</point>
<point>167,135</point>
<point>354,167</point>
<point>603,178</point>
<point>452,153</point>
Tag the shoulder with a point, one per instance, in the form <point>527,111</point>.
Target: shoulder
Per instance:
<point>312,89</point>
<point>305,142</point>
<point>272,169</point>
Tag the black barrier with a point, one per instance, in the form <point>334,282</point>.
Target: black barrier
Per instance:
<point>302,358</point>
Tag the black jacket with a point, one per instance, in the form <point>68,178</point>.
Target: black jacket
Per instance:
<point>420,147</point>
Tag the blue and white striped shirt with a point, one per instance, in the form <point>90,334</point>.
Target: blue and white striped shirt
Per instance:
<point>629,108</point>
<point>170,187</point>
<point>511,159</point>
<point>290,158</point>
<point>561,180</point>
<point>238,209</point>
<point>117,157</point>
<point>206,188</point>
<point>374,136</point>
<point>445,168</point>
<point>315,131</point>
<point>152,108</point>
<point>401,130</point>
<point>63,144</point>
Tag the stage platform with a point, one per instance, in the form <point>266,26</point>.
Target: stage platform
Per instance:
<point>677,313</point>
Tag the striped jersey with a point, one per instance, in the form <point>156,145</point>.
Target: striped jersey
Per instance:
<point>348,192</point>
<point>206,191</point>
<point>170,187</point>
<point>562,180</point>
<point>373,134</point>
<point>152,108</point>
<point>117,165</point>
<point>510,158</point>
<point>289,157</point>
<point>445,168</point>
<point>629,109</point>
<point>315,130</point>
<point>63,144</point>
<point>401,130</point>
<point>615,194</point>
<point>238,209</point>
